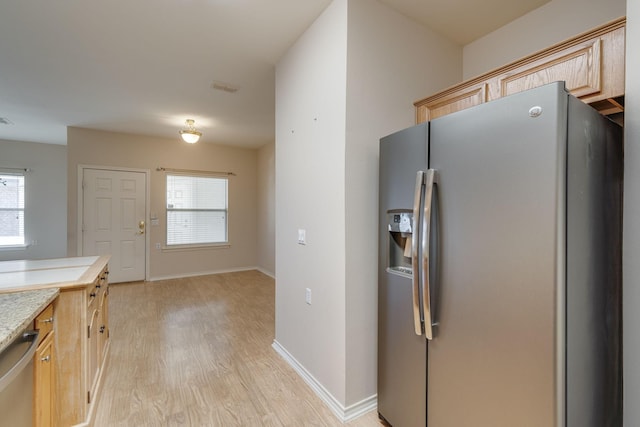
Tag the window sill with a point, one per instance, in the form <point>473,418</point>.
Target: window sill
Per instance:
<point>181,248</point>
<point>14,247</point>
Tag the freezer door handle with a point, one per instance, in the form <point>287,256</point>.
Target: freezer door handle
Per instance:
<point>425,233</point>
<point>417,199</point>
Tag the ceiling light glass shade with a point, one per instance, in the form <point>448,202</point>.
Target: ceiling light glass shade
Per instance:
<point>190,135</point>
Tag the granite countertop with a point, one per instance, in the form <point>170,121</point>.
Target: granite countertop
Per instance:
<point>18,309</point>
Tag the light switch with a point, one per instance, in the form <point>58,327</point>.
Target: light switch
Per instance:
<point>302,236</point>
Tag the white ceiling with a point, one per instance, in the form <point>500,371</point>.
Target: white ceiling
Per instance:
<point>144,66</point>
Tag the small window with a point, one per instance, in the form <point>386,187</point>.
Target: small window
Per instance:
<point>11,209</point>
<point>196,210</point>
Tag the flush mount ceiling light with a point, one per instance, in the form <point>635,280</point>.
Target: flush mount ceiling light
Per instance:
<point>190,134</point>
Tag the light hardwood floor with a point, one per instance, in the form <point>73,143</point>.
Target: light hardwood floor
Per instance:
<point>197,352</point>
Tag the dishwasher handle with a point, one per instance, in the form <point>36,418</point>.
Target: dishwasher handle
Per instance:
<point>24,360</point>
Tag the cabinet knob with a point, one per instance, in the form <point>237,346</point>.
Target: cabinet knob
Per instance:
<point>92,294</point>
<point>102,328</point>
<point>46,358</point>
<point>49,320</point>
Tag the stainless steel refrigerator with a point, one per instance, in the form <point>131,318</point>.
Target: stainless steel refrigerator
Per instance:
<point>500,267</point>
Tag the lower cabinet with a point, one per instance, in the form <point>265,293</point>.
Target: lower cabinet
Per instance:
<point>81,346</point>
<point>97,333</point>
<point>44,371</point>
<point>73,341</point>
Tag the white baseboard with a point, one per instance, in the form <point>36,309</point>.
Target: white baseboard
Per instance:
<point>267,272</point>
<point>204,273</point>
<point>344,414</point>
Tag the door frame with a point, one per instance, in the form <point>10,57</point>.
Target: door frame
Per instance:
<point>147,202</point>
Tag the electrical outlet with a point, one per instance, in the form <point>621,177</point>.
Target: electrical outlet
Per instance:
<point>158,246</point>
<point>307,296</point>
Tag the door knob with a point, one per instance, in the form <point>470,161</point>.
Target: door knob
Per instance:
<point>141,227</point>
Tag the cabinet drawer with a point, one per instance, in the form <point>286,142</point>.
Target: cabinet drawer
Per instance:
<point>97,287</point>
<point>92,293</point>
<point>44,322</point>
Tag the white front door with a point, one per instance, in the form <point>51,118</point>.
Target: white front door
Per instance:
<point>113,215</point>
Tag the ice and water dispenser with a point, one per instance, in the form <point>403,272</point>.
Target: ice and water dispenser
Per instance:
<point>400,228</point>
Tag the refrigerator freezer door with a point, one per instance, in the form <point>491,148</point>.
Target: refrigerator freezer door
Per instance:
<point>401,353</point>
<point>494,358</point>
<point>401,358</point>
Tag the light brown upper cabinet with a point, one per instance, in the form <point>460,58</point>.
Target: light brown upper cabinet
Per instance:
<point>591,64</point>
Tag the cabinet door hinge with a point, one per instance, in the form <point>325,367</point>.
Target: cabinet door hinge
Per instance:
<point>89,397</point>
<point>89,331</point>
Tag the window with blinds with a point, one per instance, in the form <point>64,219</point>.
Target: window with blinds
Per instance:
<point>196,210</point>
<point>11,209</point>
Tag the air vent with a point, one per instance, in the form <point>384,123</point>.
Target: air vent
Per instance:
<point>226,87</point>
<point>5,121</point>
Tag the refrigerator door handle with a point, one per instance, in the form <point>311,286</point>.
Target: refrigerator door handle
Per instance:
<point>425,233</point>
<point>417,199</point>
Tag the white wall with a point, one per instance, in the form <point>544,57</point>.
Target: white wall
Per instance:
<point>310,138</point>
<point>100,148</point>
<point>350,79</point>
<point>551,23</point>
<point>631,248</point>
<point>391,62</point>
<point>45,197</point>
<point>266,243</point>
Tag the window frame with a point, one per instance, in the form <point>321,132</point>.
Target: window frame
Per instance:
<point>167,210</point>
<point>23,174</point>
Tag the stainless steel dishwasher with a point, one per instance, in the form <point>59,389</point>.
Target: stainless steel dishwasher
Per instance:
<point>16,380</point>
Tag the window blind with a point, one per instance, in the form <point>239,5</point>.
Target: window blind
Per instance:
<point>196,210</point>
<point>11,209</point>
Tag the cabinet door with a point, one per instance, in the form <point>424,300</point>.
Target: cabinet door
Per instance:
<point>103,329</point>
<point>44,372</point>
<point>580,67</point>
<point>451,102</point>
<point>92,353</point>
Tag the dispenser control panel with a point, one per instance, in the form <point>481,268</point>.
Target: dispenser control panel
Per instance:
<point>400,222</point>
<point>400,242</point>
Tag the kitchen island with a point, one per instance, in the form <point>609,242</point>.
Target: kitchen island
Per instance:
<point>80,325</point>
